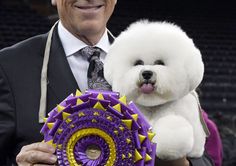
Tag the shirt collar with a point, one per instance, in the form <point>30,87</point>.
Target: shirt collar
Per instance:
<point>71,44</point>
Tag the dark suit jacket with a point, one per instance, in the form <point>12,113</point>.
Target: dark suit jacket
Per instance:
<point>20,72</point>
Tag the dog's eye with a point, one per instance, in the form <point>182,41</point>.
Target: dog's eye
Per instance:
<point>138,62</point>
<point>159,62</point>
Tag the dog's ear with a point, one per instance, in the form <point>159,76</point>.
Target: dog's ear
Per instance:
<point>195,69</point>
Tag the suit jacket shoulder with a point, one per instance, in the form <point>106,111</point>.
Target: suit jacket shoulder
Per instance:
<point>33,44</point>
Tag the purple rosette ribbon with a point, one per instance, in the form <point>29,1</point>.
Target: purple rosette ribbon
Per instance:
<point>99,128</point>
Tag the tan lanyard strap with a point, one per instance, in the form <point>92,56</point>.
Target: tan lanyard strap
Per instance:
<point>205,128</point>
<point>43,97</point>
<point>109,32</point>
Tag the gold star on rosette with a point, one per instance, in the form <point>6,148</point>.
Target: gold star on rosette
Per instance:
<point>117,107</point>
<point>99,106</point>
<point>123,100</point>
<point>60,108</point>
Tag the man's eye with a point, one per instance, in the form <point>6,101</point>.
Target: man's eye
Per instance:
<point>159,62</point>
<point>138,62</point>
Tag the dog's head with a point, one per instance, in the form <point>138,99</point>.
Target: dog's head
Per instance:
<point>153,63</point>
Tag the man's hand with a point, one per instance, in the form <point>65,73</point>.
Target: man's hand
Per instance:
<point>178,162</point>
<point>36,154</point>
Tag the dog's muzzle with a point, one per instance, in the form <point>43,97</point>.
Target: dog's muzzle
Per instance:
<point>147,80</point>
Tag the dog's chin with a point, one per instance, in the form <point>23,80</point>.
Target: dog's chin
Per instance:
<point>149,100</point>
<point>148,96</point>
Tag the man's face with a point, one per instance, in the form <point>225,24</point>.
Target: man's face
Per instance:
<point>85,17</point>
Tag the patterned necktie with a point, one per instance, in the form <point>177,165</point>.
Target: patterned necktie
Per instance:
<point>95,70</point>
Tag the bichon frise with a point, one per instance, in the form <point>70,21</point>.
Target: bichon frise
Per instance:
<point>156,65</point>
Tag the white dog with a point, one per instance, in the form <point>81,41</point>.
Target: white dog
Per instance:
<point>156,65</point>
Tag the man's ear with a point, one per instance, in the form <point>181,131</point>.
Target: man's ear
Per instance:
<point>54,3</point>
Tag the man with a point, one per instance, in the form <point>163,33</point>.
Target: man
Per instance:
<point>82,23</point>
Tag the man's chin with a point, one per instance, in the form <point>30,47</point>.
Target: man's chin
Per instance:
<point>91,27</point>
<point>90,32</point>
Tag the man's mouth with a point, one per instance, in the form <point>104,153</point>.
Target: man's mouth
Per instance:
<point>89,7</point>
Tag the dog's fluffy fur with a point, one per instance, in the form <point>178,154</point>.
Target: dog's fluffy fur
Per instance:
<point>156,65</point>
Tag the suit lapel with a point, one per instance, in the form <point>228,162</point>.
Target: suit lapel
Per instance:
<point>60,77</point>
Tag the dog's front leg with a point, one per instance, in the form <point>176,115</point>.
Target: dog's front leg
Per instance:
<point>174,137</point>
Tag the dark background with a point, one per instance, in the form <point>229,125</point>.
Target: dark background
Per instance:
<point>211,24</point>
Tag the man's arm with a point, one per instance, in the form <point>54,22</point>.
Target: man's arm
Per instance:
<point>178,162</point>
<point>205,160</point>
<point>29,154</point>
<point>7,118</point>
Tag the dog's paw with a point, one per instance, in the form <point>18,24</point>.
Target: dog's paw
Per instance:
<point>174,137</point>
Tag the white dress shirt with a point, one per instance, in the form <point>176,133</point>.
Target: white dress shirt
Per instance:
<point>79,64</point>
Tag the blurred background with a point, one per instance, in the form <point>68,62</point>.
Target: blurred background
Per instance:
<point>211,24</point>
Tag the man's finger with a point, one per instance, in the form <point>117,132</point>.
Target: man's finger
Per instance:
<point>34,157</point>
<point>40,157</point>
<point>39,146</point>
<point>43,165</point>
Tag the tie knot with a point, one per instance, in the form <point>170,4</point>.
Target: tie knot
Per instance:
<point>90,52</point>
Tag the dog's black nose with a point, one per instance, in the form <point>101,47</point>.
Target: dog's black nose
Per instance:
<point>147,74</point>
